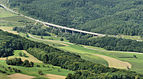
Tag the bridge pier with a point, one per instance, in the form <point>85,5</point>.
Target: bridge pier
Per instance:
<point>53,29</point>
<point>65,31</point>
<point>60,30</point>
<point>72,32</point>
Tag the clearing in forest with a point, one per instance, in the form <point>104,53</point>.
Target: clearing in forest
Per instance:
<point>115,63</point>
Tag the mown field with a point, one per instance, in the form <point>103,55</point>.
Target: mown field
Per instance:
<point>124,56</point>
<point>3,76</point>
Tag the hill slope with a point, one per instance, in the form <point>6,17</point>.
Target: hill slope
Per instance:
<point>102,16</point>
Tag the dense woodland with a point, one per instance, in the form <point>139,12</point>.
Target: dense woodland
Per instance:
<point>67,60</point>
<point>102,16</point>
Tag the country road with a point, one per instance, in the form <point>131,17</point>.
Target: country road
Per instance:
<point>52,25</point>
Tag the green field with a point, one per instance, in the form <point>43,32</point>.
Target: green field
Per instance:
<point>3,76</point>
<point>11,20</point>
<point>4,13</point>
<point>33,71</point>
<point>124,56</point>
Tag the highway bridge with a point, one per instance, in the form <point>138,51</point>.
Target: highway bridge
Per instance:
<point>53,25</point>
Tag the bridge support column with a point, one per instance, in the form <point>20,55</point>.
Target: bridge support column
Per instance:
<point>72,32</point>
<point>60,31</point>
<point>53,29</point>
<point>80,33</point>
<point>65,31</point>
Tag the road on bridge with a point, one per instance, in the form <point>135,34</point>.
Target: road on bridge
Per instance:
<point>52,25</point>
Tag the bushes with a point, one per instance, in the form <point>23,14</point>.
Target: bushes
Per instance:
<point>40,72</point>
<point>19,62</point>
<point>33,29</point>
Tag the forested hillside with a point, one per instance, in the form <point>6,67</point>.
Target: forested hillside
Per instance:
<point>67,60</point>
<point>102,16</point>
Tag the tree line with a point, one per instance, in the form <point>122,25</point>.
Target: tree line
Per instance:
<point>19,62</point>
<point>33,29</point>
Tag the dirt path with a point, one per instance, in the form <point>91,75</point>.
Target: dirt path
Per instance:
<point>115,62</point>
<point>52,76</point>
<point>20,76</point>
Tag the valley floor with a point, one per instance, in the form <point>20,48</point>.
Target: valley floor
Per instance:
<point>94,54</point>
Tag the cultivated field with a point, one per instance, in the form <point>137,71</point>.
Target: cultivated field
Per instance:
<point>115,63</point>
<point>3,76</point>
<point>123,56</point>
<point>20,76</point>
<point>136,63</point>
<point>111,62</point>
<point>51,76</point>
